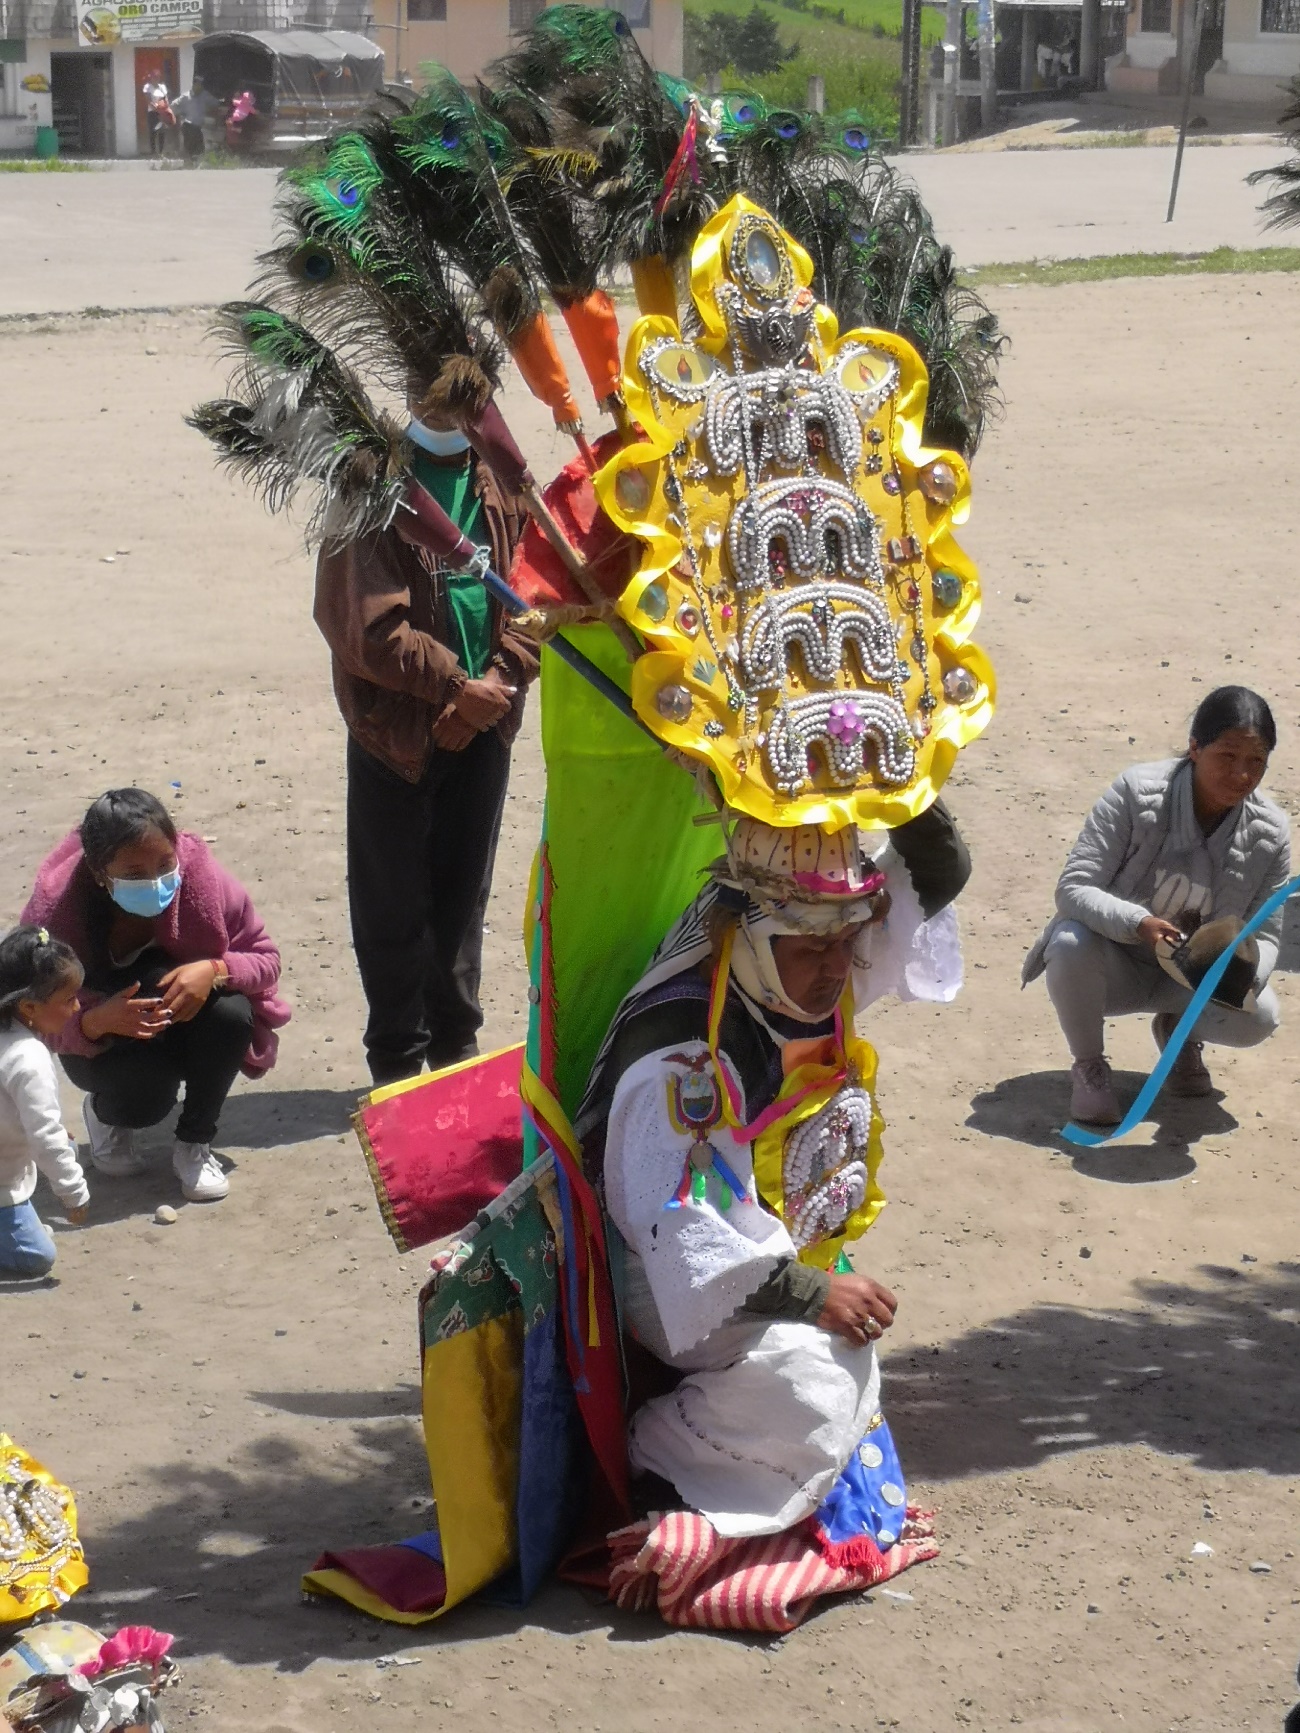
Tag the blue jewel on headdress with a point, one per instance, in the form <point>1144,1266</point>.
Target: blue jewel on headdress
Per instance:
<point>856,139</point>
<point>745,113</point>
<point>788,129</point>
<point>316,267</point>
<point>621,27</point>
<point>348,194</point>
<point>450,136</point>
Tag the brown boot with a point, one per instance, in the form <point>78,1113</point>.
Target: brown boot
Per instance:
<point>1188,1075</point>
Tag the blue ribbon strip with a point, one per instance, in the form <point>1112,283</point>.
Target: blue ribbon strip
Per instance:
<point>1173,1047</point>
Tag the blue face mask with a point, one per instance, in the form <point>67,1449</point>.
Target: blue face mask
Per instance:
<point>437,442</point>
<point>146,897</point>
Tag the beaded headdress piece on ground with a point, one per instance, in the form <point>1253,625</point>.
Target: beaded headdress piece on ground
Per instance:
<point>806,607</point>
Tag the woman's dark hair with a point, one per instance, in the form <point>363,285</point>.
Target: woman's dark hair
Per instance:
<point>32,966</point>
<point>118,818</point>
<point>1229,707</point>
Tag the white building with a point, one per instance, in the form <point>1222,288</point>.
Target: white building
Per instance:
<point>66,66</point>
<point>62,66</point>
<point>1249,49</point>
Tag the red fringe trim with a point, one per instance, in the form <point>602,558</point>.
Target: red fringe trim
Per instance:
<point>858,1552</point>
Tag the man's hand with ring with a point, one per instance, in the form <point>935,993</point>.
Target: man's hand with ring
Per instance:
<point>858,1309</point>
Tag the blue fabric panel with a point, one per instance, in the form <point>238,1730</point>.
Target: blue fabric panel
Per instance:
<point>546,1507</point>
<point>429,1543</point>
<point>870,1497</point>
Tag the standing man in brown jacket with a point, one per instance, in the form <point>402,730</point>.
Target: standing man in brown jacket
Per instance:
<point>430,680</point>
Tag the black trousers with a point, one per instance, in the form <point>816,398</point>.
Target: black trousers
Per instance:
<point>420,858</point>
<point>136,1083</point>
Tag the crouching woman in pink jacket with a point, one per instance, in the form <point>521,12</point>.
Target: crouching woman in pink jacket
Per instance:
<point>180,988</point>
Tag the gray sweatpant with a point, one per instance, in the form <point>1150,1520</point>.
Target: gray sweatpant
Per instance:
<point>1090,978</point>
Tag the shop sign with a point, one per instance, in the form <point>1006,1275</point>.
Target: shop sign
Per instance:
<point>100,25</point>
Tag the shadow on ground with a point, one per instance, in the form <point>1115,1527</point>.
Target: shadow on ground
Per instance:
<point>1288,956</point>
<point>219,1557</point>
<point>261,1119</point>
<point>1204,1370</point>
<point>1033,1108</point>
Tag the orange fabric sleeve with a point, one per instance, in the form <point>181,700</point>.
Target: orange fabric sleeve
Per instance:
<point>544,372</point>
<point>593,325</point>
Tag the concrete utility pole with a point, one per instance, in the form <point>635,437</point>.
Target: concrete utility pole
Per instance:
<point>988,65</point>
<point>816,101</point>
<point>1189,78</point>
<point>1028,48</point>
<point>951,70</point>
<point>1090,45</point>
<point>910,92</point>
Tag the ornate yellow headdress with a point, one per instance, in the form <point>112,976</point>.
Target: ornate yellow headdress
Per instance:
<point>807,607</point>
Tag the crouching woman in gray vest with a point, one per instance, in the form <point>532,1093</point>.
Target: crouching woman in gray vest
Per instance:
<point>1167,848</point>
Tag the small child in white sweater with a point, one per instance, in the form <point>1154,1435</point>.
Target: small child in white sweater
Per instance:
<point>39,981</point>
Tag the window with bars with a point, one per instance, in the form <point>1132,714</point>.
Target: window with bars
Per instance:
<point>1157,16</point>
<point>1279,17</point>
<point>523,14</point>
<point>637,12</point>
<point>426,11</point>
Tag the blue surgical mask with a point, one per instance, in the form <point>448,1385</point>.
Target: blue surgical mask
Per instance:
<point>436,441</point>
<point>146,897</point>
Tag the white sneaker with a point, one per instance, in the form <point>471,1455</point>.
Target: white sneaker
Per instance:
<point>112,1147</point>
<point>200,1173</point>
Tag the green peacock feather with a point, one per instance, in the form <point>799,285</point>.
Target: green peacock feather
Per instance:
<point>300,417</point>
<point>337,192</point>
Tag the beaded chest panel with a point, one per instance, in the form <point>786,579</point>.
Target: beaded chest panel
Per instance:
<point>807,607</point>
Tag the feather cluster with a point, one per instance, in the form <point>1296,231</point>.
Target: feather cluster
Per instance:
<point>1283,205</point>
<point>416,248</point>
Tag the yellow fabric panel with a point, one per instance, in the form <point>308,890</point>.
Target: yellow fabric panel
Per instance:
<point>350,1590</point>
<point>42,1577</point>
<point>472,1399</point>
<point>386,1091</point>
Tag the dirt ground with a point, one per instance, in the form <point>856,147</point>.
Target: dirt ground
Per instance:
<point>1095,1365</point>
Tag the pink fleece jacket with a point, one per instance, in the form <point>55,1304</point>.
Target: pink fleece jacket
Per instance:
<point>211,918</point>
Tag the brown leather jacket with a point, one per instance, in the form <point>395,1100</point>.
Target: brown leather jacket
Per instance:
<point>382,609</point>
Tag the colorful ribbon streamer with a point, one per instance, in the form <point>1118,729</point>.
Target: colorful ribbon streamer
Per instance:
<point>1076,1134</point>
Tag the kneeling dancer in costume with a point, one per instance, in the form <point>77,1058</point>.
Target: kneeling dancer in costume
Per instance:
<point>740,1136</point>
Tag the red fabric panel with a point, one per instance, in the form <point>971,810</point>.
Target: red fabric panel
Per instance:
<point>440,1151</point>
<point>408,1580</point>
<point>537,572</point>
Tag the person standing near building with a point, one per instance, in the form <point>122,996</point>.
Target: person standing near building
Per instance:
<point>430,681</point>
<point>158,116</point>
<point>194,110</point>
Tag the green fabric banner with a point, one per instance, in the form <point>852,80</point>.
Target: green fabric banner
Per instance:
<point>625,857</point>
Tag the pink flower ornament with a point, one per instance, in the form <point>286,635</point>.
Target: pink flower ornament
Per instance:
<point>845,721</point>
<point>132,1646</point>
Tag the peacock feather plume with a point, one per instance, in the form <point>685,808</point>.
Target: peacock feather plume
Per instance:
<point>296,417</point>
<point>1283,204</point>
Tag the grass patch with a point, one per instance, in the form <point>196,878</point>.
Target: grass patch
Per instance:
<point>860,59</point>
<point>1223,261</point>
<point>54,165</point>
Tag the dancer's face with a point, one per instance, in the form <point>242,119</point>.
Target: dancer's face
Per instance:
<point>815,969</point>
